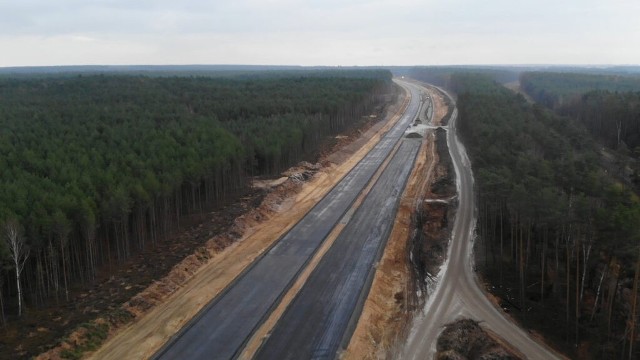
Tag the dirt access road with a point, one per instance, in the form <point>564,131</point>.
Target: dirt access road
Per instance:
<point>458,294</point>
<point>144,337</point>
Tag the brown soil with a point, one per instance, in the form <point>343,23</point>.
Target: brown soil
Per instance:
<point>166,305</point>
<point>440,107</point>
<point>392,297</point>
<point>464,339</point>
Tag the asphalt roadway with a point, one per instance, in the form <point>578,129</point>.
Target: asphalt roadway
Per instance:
<point>323,315</point>
<point>220,330</point>
<point>457,294</point>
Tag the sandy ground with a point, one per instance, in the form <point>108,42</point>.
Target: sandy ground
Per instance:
<point>155,325</point>
<point>440,107</point>
<point>389,303</point>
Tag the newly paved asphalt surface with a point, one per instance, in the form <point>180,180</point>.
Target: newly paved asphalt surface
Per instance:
<point>458,293</point>
<point>323,314</point>
<point>221,329</point>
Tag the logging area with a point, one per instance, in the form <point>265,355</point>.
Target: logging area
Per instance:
<point>108,181</point>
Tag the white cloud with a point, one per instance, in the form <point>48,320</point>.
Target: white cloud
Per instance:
<point>315,32</point>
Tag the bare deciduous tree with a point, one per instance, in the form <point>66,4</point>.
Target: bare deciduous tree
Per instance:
<point>19,253</point>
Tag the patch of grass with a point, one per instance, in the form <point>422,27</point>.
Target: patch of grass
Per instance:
<point>93,337</point>
<point>93,334</point>
<point>119,316</point>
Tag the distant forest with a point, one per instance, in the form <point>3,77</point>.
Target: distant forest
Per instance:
<point>608,106</point>
<point>556,89</point>
<point>442,75</point>
<point>94,168</point>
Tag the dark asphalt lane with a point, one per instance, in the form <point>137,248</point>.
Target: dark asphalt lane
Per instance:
<point>220,330</point>
<point>323,314</point>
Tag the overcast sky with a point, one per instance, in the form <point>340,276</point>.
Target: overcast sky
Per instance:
<point>319,32</point>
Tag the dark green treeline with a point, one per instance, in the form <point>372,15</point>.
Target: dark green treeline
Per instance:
<point>95,168</point>
<point>608,106</point>
<point>558,237</point>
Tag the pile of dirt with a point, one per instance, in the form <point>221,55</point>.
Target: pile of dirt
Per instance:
<point>465,340</point>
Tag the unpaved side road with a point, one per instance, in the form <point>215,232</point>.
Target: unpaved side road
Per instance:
<point>143,338</point>
<point>457,294</point>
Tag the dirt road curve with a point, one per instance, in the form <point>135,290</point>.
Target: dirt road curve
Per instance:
<point>457,293</point>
